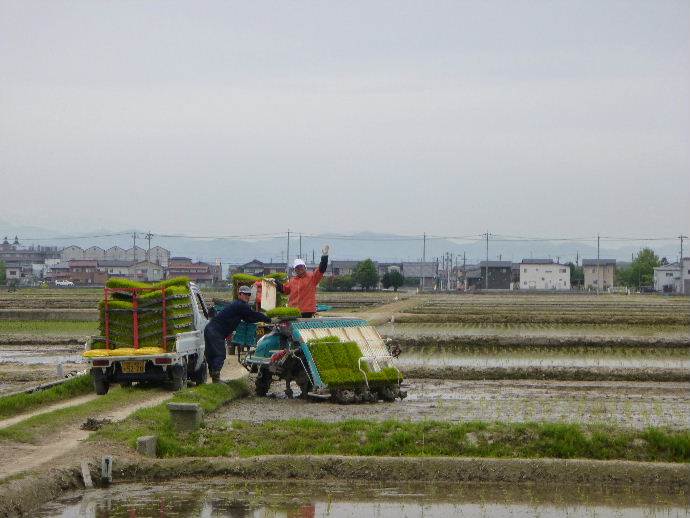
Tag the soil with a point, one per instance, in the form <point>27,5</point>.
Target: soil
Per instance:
<point>17,457</point>
<point>535,372</point>
<point>636,405</point>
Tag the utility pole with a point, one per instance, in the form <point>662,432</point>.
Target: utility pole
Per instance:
<point>598,258</point>
<point>421,268</point>
<point>148,236</point>
<point>313,256</point>
<point>682,282</point>
<point>486,277</point>
<point>287,256</point>
<point>300,245</point>
<point>134,247</point>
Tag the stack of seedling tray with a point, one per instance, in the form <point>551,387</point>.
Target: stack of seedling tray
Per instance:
<point>244,279</point>
<point>179,315</point>
<point>339,365</point>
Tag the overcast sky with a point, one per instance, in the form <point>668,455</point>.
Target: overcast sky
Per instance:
<point>528,118</point>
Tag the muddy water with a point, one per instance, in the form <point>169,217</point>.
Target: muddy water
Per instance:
<point>634,404</point>
<point>419,330</point>
<point>40,354</point>
<point>450,359</point>
<point>386,500</point>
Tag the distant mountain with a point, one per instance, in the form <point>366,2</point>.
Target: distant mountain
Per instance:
<point>380,247</point>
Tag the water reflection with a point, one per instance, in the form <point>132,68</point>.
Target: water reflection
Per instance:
<point>211,498</point>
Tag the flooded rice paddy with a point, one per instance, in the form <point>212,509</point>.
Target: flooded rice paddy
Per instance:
<point>282,499</point>
<point>443,330</point>
<point>484,359</point>
<point>37,354</point>
<point>632,404</point>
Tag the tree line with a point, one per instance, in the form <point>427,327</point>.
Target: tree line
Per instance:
<point>363,276</point>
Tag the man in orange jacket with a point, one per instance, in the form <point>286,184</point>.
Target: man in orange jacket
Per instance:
<point>301,289</point>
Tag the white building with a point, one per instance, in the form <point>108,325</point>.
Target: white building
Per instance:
<point>685,276</point>
<point>544,274</point>
<point>159,255</point>
<point>146,271</point>
<point>70,253</point>
<point>667,278</point>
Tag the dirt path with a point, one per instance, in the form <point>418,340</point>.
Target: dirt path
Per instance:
<point>4,423</point>
<point>381,314</point>
<point>16,457</point>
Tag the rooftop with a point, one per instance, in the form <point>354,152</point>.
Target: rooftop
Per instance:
<point>602,262</point>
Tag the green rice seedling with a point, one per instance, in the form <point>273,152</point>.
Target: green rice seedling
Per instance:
<point>178,313</point>
<point>283,312</point>
<point>127,283</point>
<point>338,363</point>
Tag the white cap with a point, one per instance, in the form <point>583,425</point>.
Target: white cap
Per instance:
<point>298,262</point>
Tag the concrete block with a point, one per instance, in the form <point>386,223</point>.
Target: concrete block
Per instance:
<point>146,445</point>
<point>86,475</point>
<point>186,417</point>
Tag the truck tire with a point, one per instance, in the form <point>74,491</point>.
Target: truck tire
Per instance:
<point>100,382</point>
<point>263,382</point>
<point>179,377</point>
<point>200,375</point>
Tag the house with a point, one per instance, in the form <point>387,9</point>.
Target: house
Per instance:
<point>544,274</point>
<point>685,276</point>
<point>599,273</point>
<point>18,273</point>
<point>427,271</point>
<point>384,268</point>
<point>667,278</point>
<point>493,275</point>
<point>28,263</point>
<point>159,255</point>
<point>115,268</point>
<point>472,277</point>
<point>58,272</point>
<point>86,272</point>
<point>199,272</point>
<point>146,271</point>
<point>94,252</point>
<point>342,267</point>
<point>116,253</point>
<point>259,268</point>
<point>71,252</point>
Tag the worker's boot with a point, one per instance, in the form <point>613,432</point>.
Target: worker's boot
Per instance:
<point>215,376</point>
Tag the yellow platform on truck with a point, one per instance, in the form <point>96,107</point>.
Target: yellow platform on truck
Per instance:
<point>123,351</point>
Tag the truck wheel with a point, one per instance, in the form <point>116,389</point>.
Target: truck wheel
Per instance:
<point>263,382</point>
<point>200,375</point>
<point>100,382</point>
<point>179,377</point>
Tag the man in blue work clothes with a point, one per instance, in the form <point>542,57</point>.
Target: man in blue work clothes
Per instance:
<point>223,324</point>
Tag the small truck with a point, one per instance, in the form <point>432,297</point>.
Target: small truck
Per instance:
<point>178,317</point>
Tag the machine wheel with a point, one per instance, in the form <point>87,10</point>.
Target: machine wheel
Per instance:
<point>387,394</point>
<point>263,382</point>
<point>304,384</point>
<point>100,382</point>
<point>200,376</point>
<point>179,377</point>
<point>344,396</point>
